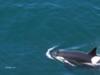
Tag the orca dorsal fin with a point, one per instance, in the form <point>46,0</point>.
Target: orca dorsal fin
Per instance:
<point>93,52</point>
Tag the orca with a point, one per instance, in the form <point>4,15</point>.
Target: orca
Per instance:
<point>74,58</point>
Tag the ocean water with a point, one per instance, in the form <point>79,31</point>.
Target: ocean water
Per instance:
<point>29,27</point>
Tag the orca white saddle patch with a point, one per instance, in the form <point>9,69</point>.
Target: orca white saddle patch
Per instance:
<point>95,60</point>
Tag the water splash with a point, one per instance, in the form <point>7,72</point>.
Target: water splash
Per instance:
<point>48,51</point>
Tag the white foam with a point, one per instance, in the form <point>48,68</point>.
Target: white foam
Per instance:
<point>48,52</point>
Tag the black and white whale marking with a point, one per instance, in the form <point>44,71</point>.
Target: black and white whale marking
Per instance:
<point>74,58</point>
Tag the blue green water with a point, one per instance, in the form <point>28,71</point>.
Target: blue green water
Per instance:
<point>29,27</point>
